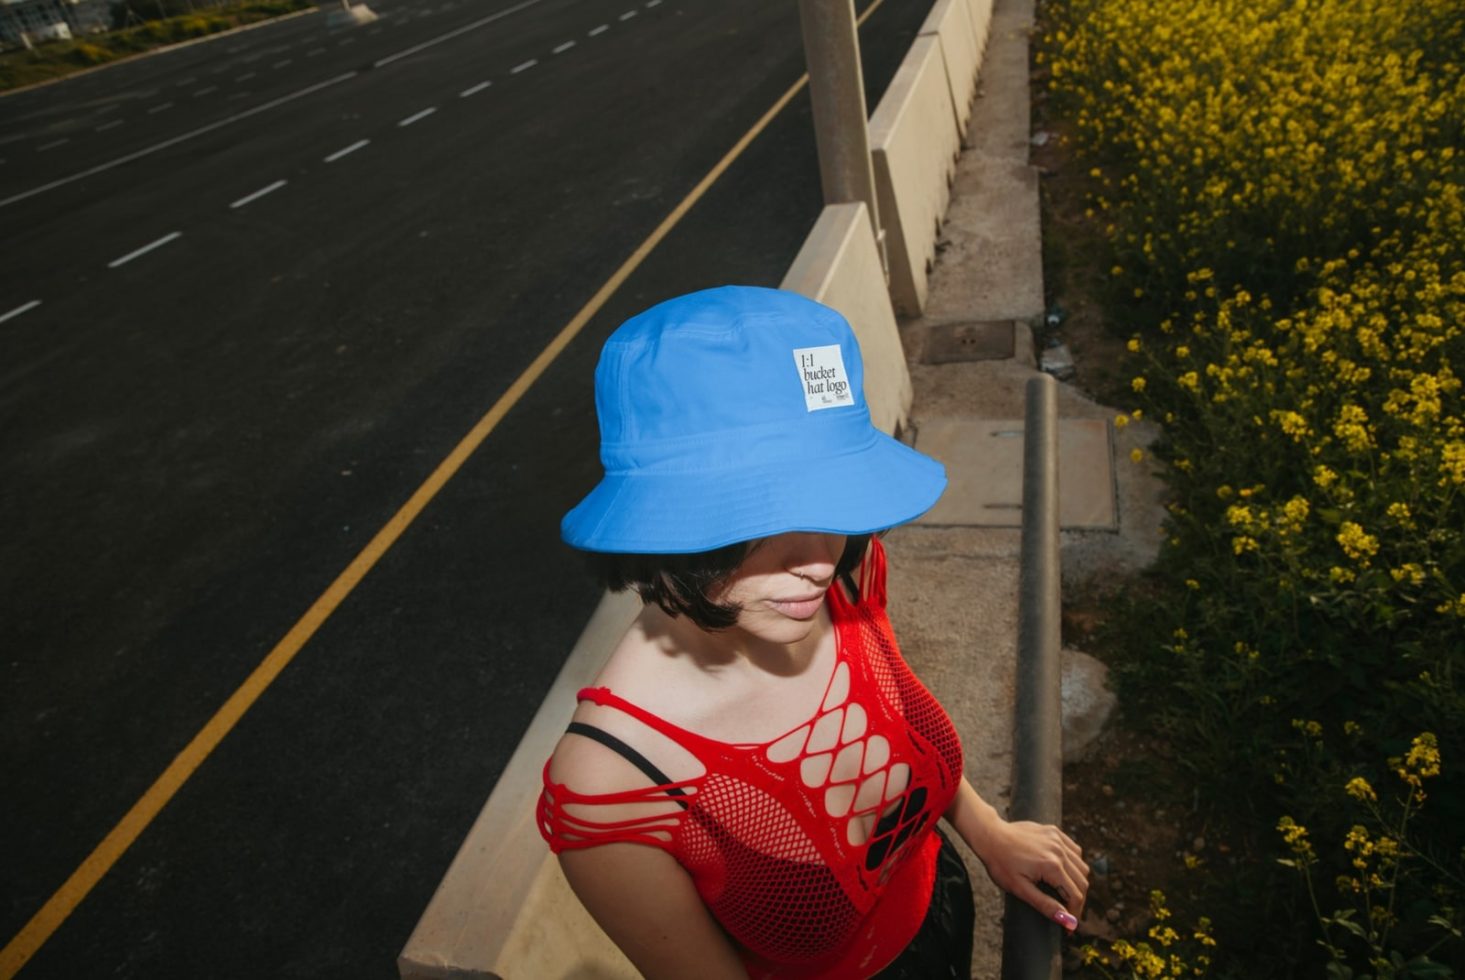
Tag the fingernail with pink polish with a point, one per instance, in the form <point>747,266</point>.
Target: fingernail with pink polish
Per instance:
<point>1065,920</point>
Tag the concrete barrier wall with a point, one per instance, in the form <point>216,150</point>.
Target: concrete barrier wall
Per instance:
<point>914,142</point>
<point>839,265</point>
<point>981,14</point>
<point>503,909</point>
<point>950,22</point>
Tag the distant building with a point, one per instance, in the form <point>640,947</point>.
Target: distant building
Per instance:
<point>52,20</point>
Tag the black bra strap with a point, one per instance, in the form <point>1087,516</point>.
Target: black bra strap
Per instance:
<point>629,754</point>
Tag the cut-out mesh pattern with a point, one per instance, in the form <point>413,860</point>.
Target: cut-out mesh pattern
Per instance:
<point>793,843</point>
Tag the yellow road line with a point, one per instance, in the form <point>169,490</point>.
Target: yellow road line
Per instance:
<point>60,905</point>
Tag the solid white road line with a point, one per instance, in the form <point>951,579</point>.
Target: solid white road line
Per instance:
<point>345,150</point>
<point>563,47</point>
<point>473,89</point>
<point>416,116</point>
<point>23,308</point>
<point>258,194</point>
<point>217,124</point>
<point>524,67</point>
<point>451,34</point>
<point>599,30</point>
<point>145,249</point>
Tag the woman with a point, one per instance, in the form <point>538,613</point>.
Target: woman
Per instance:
<point>752,785</point>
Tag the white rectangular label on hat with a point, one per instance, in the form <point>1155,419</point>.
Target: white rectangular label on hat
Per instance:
<point>821,369</point>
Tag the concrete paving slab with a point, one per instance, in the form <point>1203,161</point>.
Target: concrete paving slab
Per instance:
<point>983,460</point>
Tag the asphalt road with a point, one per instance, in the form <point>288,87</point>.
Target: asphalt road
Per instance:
<point>253,291</point>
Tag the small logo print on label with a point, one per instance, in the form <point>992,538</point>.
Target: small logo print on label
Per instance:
<point>822,373</point>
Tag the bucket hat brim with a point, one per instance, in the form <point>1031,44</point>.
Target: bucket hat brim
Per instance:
<point>876,486</point>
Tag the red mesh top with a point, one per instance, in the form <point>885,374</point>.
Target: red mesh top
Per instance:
<point>814,851</point>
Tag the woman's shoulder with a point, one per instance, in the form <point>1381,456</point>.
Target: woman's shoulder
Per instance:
<point>617,726</point>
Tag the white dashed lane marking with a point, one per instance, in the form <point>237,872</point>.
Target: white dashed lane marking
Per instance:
<point>473,89</point>
<point>23,308</point>
<point>416,116</point>
<point>599,30</point>
<point>205,90</point>
<point>343,151</point>
<point>524,67</point>
<point>110,125</point>
<point>245,77</point>
<point>475,25</point>
<point>145,249</point>
<point>160,108</point>
<point>247,198</point>
<point>182,137</point>
<point>53,144</point>
<point>280,64</point>
<point>564,47</point>
<point>627,15</point>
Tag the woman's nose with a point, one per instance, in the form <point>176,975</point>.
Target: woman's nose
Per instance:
<point>814,556</point>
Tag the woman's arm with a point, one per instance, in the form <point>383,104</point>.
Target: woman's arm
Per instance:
<point>643,899</point>
<point>1020,855</point>
<point>647,905</point>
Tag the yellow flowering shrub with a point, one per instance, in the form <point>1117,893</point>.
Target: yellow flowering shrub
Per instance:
<point>1166,953</point>
<point>1281,187</point>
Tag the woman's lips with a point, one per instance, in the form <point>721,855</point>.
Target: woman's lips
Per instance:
<point>803,607</point>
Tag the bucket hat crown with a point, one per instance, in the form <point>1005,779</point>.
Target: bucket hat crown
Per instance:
<point>736,413</point>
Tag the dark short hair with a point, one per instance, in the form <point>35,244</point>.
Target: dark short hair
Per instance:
<point>680,584</point>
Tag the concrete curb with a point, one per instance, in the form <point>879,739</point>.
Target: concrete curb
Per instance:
<point>914,145</point>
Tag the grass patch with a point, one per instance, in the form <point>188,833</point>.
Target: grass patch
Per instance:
<point>57,59</point>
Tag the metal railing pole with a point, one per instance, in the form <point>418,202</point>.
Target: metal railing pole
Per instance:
<point>837,93</point>
<point>1031,943</point>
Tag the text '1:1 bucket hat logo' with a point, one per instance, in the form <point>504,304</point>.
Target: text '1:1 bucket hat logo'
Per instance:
<point>736,413</point>
<point>826,385</point>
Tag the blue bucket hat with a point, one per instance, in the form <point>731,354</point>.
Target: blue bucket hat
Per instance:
<point>737,413</point>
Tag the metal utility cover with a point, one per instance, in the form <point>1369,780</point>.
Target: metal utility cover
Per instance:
<point>986,340</point>
<point>983,460</point>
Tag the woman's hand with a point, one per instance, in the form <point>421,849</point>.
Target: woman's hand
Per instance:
<point>1022,855</point>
